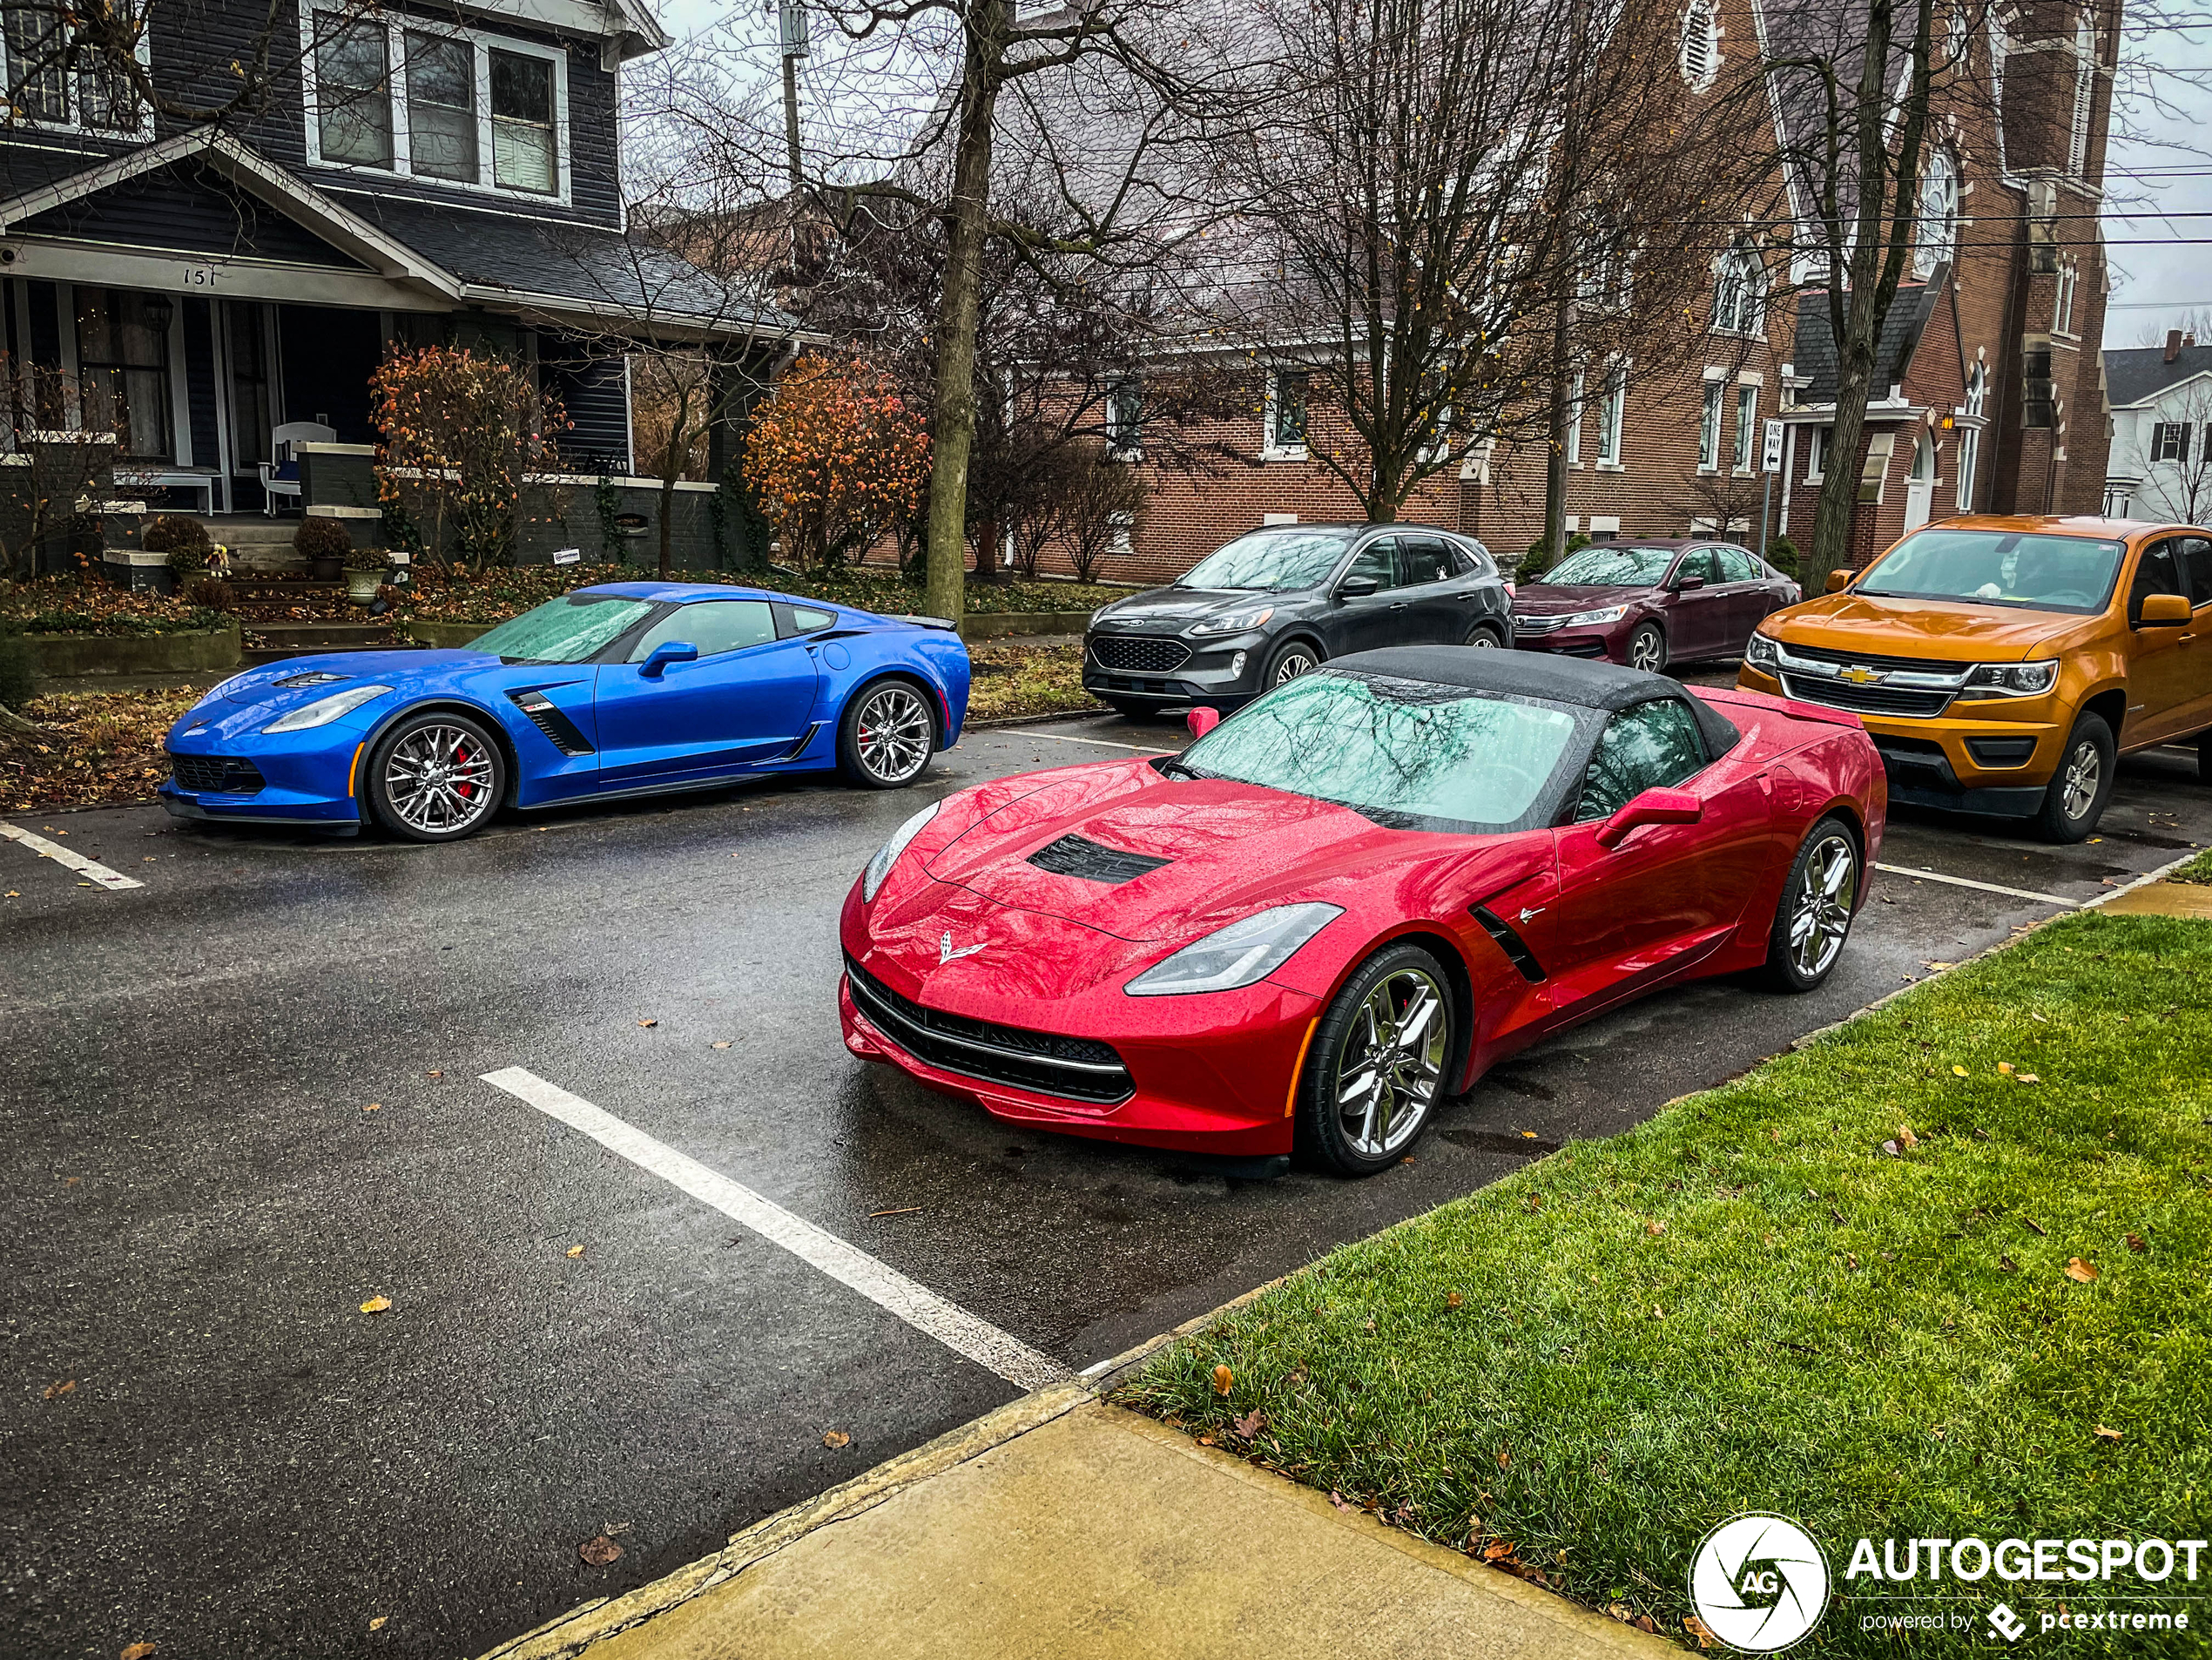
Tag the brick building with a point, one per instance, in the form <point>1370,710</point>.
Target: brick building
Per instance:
<point>1990,397</point>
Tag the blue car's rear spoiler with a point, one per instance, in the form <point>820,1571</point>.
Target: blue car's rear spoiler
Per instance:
<point>945,623</point>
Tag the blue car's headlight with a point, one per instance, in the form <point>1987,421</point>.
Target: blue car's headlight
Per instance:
<point>323,711</point>
<point>1236,955</point>
<point>888,854</point>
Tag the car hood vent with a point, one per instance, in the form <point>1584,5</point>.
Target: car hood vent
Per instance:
<point>1074,856</point>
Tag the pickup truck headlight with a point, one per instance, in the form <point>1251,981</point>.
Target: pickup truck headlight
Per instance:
<point>1760,651</point>
<point>323,711</point>
<point>1238,955</point>
<point>1592,619</point>
<point>2012,679</point>
<point>1235,622</point>
<point>888,854</point>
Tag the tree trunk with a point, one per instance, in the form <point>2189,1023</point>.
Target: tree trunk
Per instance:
<point>11,722</point>
<point>953,429</point>
<point>1839,506</point>
<point>987,550</point>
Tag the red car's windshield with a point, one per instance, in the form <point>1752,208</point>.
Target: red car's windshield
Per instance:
<point>1612,567</point>
<point>1405,753</point>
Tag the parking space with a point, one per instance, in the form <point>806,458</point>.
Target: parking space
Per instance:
<point>659,1256</point>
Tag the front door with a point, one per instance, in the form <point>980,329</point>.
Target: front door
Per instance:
<point>2165,669</point>
<point>1438,608</point>
<point>2196,565</point>
<point>1361,622</point>
<point>1919,485</point>
<point>747,699</point>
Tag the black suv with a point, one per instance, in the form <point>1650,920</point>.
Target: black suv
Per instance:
<point>1282,600</point>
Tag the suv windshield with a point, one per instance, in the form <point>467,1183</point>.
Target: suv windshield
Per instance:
<point>1274,560</point>
<point>2049,573</point>
<point>567,629</point>
<point>1612,567</point>
<point>1405,754</point>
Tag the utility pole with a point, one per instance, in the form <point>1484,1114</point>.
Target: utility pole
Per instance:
<point>794,21</point>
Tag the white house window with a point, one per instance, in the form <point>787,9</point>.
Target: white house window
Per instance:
<point>1817,439</point>
<point>1700,45</point>
<point>44,90</point>
<point>1970,437</point>
<point>1575,421</point>
<point>524,152</point>
<point>1747,424</point>
<point>1286,427</point>
<point>2062,309</point>
<point>1959,24</point>
<point>441,107</point>
<point>2085,96</point>
<point>1739,290</point>
<point>1708,428</point>
<point>1612,407</point>
<point>1124,418</point>
<point>122,368</point>
<point>1938,213</point>
<point>2169,441</point>
<point>438,103</point>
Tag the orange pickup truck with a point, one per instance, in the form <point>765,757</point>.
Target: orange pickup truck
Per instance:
<point>2002,665</point>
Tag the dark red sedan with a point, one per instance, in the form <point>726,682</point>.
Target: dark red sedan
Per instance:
<point>1337,908</point>
<point>1649,602</point>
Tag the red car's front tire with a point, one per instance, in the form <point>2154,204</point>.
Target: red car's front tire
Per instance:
<point>1375,1070</point>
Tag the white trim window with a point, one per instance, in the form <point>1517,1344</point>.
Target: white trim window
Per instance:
<point>483,113</point>
<point>1701,45</point>
<point>1747,425</point>
<point>2085,96</point>
<point>1708,424</point>
<point>1819,441</point>
<point>1970,437</point>
<point>1283,432</point>
<point>1125,421</point>
<point>1739,293</point>
<point>2062,307</point>
<point>1438,449</point>
<point>1612,410</point>
<point>2169,441</point>
<point>1575,421</point>
<point>1938,213</point>
<point>50,86</point>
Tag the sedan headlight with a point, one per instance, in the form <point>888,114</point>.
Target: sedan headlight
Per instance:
<point>1236,955</point>
<point>2012,679</point>
<point>1592,619</point>
<point>1763,651</point>
<point>323,711</point>
<point>1235,622</point>
<point>888,854</point>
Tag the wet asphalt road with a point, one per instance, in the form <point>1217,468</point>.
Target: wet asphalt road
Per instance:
<point>200,1196</point>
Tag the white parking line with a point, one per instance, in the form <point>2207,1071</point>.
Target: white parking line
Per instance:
<point>1986,888</point>
<point>1101,743</point>
<point>921,1308</point>
<point>98,874</point>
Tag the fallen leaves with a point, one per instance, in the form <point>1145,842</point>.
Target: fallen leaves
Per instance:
<point>2135,1243</point>
<point>56,1391</point>
<point>1905,1135</point>
<point>576,1250</point>
<point>1455,1300</point>
<point>2009,1264</point>
<point>1959,1071</point>
<point>2106,1433</point>
<point>835,1439</point>
<point>2078,1270</point>
<point>377,1624</point>
<point>722,1044</point>
<point>648,1023</point>
<point>139,1651</point>
<point>1250,1425</point>
<point>376,1304</point>
<point>373,1106</point>
<point>1224,1379</point>
<point>599,1550</point>
<point>1655,1228</point>
<point>1697,1628</point>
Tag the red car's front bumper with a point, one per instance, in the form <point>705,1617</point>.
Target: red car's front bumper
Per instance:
<point>1211,1073</point>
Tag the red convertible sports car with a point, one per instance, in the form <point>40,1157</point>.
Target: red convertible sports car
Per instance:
<point>1336,909</point>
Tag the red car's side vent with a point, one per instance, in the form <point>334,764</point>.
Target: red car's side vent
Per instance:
<point>1512,944</point>
<point>1072,856</point>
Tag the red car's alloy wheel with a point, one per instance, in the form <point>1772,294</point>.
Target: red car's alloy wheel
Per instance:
<point>1379,1062</point>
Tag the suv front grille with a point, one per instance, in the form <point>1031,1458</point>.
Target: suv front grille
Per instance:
<point>1078,1068</point>
<point>216,774</point>
<point>1138,653</point>
<point>1886,664</point>
<point>1865,700</point>
<point>1074,856</point>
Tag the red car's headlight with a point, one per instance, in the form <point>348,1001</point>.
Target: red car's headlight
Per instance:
<point>1246,950</point>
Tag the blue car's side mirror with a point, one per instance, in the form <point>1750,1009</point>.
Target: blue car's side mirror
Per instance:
<point>666,652</point>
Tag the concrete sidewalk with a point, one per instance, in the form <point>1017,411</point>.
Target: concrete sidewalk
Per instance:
<point>1061,1528</point>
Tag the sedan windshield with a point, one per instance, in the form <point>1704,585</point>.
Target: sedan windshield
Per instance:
<point>1277,560</point>
<point>1612,567</point>
<point>1408,754</point>
<point>2046,573</point>
<point>568,630</point>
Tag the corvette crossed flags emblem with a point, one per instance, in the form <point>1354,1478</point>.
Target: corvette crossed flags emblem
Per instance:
<point>946,952</point>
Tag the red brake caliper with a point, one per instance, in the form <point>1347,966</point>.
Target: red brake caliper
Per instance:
<point>461,757</point>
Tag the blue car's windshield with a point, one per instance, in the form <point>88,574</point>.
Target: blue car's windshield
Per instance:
<point>568,629</point>
<point>1405,754</point>
<point>1278,561</point>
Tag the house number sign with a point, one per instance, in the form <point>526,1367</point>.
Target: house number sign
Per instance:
<point>200,276</point>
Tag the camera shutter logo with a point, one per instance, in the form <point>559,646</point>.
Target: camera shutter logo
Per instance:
<point>1759,1583</point>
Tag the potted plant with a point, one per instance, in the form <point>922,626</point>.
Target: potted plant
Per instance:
<point>324,544</point>
<point>190,549</point>
<point>366,570</point>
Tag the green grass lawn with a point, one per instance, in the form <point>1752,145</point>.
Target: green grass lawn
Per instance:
<point>2198,869</point>
<point>1750,1304</point>
<point>1013,680</point>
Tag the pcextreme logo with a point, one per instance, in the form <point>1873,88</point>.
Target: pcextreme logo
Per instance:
<point>1759,1583</point>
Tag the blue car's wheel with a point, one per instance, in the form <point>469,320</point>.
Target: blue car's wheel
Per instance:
<point>887,735</point>
<point>436,777</point>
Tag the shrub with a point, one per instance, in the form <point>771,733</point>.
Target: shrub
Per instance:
<point>457,433</point>
<point>321,539</point>
<point>835,460</point>
<point>1539,559</point>
<point>184,540</point>
<point>210,593</point>
<point>1782,554</point>
<point>366,558</point>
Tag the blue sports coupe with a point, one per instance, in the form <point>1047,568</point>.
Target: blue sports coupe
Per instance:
<point>628,688</point>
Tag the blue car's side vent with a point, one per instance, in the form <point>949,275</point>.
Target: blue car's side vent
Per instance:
<point>550,720</point>
<point>1074,856</point>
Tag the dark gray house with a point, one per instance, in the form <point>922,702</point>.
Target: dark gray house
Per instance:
<point>410,174</point>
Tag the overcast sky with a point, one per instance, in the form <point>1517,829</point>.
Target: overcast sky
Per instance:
<point>2157,176</point>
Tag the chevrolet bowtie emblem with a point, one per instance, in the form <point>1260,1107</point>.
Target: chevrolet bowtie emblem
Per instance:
<point>1859,676</point>
<point>946,952</point>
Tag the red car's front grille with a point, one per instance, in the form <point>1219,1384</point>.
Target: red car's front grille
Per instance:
<point>1081,1069</point>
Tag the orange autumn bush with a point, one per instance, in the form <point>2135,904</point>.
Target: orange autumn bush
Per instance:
<point>458,431</point>
<point>836,459</point>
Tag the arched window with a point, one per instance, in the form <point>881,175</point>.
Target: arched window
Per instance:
<point>2085,96</point>
<point>1739,292</point>
<point>1938,213</point>
<point>1701,45</point>
<point>1970,437</point>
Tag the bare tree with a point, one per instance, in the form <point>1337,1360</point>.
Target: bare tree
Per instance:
<point>2173,461</point>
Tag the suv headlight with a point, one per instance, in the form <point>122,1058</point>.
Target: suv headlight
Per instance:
<point>1763,651</point>
<point>1589,619</point>
<point>323,711</point>
<point>1235,622</point>
<point>1238,955</point>
<point>2012,679</point>
<point>888,854</point>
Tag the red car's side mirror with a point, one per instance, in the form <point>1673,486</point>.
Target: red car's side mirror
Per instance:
<point>1653,806</point>
<point>1202,721</point>
<point>1688,585</point>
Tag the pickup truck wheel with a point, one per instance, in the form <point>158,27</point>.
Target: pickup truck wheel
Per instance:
<point>2079,790</point>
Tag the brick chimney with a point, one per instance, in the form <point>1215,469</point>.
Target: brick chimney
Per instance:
<point>2173,344</point>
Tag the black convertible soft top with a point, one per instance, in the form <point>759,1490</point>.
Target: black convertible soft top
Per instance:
<point>1533,674</point>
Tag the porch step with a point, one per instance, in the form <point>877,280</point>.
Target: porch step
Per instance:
<point>282,640</point>
<point>270,586</point>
